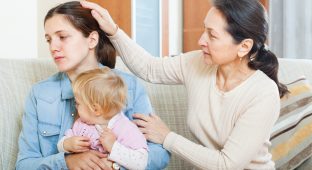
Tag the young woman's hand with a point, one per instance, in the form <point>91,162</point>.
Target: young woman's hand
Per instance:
<point>88,160</point>
<point>153,128</point>
<point>77,144</point>
<point>102,17</point>
<point>107,139</point>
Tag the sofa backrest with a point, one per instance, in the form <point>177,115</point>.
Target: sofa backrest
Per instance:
<point>291,69</point>
<point>18,75</point>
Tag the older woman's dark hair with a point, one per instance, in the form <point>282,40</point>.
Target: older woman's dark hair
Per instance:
<point>83,21</point>
<point>247,19</point>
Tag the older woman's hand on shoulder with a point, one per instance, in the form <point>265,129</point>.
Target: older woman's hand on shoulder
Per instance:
<point>102,17</point>
<point>153,128</point>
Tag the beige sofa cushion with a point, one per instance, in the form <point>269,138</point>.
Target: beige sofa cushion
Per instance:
<point>292,134</point>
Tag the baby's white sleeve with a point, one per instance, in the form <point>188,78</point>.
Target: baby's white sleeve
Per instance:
<point>129,158</point>
<point>60,145</point>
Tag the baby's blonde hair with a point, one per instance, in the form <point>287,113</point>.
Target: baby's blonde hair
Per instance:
<point>101,86</point>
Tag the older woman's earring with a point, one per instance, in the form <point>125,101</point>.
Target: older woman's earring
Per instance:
<point>240,59</point>
<point>252,57</point>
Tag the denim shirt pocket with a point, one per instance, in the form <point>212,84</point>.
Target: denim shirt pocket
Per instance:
<point>49,112</point>
<point>48,130</point>
<point>48,136</point>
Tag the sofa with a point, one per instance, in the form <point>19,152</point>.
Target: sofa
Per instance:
<point>289,139</point>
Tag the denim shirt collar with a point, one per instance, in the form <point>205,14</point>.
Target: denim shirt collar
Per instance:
<point>66,88</point>
<point>67,91</point>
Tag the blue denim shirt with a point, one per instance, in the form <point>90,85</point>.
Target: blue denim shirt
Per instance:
<point>49,112</point>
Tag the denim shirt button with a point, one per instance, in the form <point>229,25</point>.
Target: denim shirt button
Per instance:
<point>72,114</point>
<point>44,132</point>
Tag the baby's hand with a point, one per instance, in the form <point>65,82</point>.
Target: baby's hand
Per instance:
<point>107,139</point>
<point>77,144</point>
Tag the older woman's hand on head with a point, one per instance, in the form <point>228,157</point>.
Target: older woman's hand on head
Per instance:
<point>102,17</point>
<point>153,128</point>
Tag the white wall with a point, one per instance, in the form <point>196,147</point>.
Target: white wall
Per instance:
<point>175,27</point>
<point>18,29</point>
<point>21,30</point>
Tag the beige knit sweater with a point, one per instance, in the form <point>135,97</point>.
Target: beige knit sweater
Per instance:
<point>233,127</point>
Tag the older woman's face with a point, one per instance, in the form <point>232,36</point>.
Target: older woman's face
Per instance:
<point>216,43</point>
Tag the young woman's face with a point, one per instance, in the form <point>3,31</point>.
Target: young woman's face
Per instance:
<point>217,44</point>
<point>68,47</point>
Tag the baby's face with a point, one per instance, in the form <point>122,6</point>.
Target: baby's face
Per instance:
<point>84,112</point>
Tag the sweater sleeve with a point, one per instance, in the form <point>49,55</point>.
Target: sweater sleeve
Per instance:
<point>168,70</point>
<point>129,158</point>
<point>251,131</point>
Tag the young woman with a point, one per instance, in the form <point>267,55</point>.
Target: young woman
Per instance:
<point>233,90</point>
<point>77,44</point>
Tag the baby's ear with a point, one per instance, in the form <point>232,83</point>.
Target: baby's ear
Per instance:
<point>97,109</point>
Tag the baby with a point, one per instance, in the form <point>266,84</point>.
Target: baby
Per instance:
<point>100,96</point>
